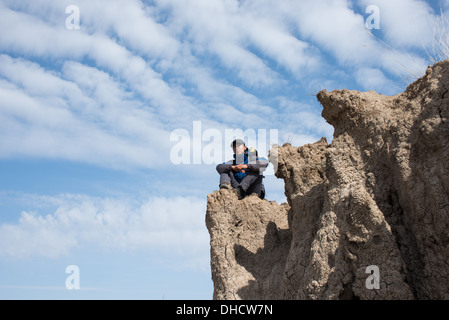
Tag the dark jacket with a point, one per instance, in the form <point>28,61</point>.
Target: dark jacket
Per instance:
<point>250,158</point>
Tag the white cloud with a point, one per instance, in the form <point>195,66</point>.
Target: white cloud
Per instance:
<point>374,79</point>
<point>167,225</point>
<point>405,23</point>
<point>243,39</point>
<point>30,35</point>
<point>296,56</point>
<point>406,42</point>
<point>144,34</point>
<point>216,27</point>
<point>120,105</point>
<point>33,37</point>
<point>111,92</point>
<point>333,25</point>
<point>303,123</point>
<point>44,115</point>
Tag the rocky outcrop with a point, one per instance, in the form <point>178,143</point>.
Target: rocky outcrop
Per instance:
<point>250,241</point>
<point>367,215</point>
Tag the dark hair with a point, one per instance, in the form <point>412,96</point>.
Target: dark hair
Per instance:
<point>237,141</point>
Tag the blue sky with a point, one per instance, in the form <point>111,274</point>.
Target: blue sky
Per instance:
<point>87,175</point>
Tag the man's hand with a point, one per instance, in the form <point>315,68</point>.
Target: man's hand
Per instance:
<point>240,168</point>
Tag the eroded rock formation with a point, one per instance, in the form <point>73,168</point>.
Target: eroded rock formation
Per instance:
<point>378,195</point>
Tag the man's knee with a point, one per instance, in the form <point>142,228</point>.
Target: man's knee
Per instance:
<point>257,188</point>
<point>222,168</point>
<point>253,184</point>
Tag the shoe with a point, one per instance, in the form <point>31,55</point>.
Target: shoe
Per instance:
<point>239,192</point>
<point>225,186</point>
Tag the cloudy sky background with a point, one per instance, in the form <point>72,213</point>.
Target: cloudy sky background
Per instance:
<point>88,116</point>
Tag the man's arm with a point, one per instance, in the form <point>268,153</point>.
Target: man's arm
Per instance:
<point>258,167</point>
<point>224,168</point>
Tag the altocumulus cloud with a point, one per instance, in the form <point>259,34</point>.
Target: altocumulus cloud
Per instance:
<point>51,117</point>
<point>162,224</point>
<point>117,85</point>
<point>133,73</point>
<point>111,93</point>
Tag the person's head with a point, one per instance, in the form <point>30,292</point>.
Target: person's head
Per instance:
<point>238,146</point>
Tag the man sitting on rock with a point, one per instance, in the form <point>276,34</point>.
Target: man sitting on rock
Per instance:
<point>243,174</point>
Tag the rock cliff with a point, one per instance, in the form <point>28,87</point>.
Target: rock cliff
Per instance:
<point>367,215</point>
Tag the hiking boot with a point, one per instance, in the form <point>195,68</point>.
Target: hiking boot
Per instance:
<point>239,192</point>
<point>225,186</point>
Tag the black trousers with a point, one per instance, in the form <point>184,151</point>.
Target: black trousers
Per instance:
<point>252,183</point>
